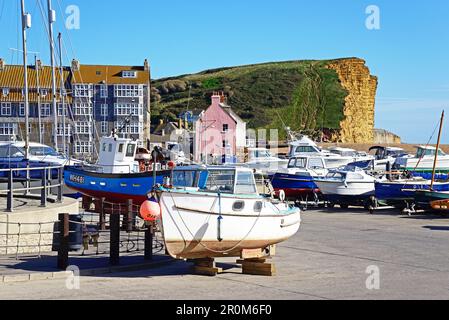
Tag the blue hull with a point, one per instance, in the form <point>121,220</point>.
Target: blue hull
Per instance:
<point>116,188</point>
<point>395,191</point>
<point>21,164</point>
<point>294,185</point>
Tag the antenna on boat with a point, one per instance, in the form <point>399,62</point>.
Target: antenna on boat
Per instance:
<point>436,152</point>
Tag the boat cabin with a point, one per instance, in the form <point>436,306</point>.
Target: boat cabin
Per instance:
<point>382,153</point>
<point>344,152</point>
<point>117,155</point>
<point>224,180</point>
<point>349,174</point>
<point>427,151</point>
<point>313,163</point>
<point>304,146</point>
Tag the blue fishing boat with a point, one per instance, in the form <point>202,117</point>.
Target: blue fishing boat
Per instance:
<point>297,181</point>
<point>117,176</point>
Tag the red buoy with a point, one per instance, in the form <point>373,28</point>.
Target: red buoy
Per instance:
<point>171,165</point>
<point>150,210</point>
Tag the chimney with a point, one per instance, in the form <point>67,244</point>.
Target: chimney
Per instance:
<point>146,65</point>
<point>2,64</point>
<point>75,65</point>
<point>216,99</point>
<point>39,64</point>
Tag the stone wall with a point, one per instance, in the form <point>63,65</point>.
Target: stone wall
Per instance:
<point>359,109</point>
<point>30,230</point>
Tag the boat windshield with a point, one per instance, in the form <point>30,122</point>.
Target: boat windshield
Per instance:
<point>245,183</point>
<point>298,163</point>
<point>43,151</point>
<point>428,152</point>
<point>220,181</point>
<point>336,176</point>
<point>184,179</point>
<point>261,154</point>
<point>305,149</point>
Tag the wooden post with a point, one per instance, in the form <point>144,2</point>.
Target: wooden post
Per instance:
<point>64,233</point>
<point>149,243</point>
<point>114,258</point>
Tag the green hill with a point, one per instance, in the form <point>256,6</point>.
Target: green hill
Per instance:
<point>305,95</point>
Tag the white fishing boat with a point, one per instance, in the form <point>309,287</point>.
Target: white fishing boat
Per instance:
<point>335,157</point>
<point>348,186</point>
<point>217,212</point>
<point>423,161</point>
<point>261,160</point>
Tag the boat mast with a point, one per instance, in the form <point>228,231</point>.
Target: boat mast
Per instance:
<point>51,20</point>
<point>62,93</point>
<point>436,153</point>
<point>26,24</point>
<point>38,100</point>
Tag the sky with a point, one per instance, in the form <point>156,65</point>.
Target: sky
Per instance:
<point>409,53</point>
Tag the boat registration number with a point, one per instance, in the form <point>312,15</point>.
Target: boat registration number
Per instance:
<point>77,179</point>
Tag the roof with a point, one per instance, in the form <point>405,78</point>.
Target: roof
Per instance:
<point>229,111</point>
<point>12,77</point>
<point>97,74</point>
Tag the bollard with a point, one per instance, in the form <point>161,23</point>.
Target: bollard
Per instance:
<point>114,258</point>
<point>60,182</point>
<point>64,233</point>
<point>9,200</point>
<point>149,242</point>
<point>44,189</point>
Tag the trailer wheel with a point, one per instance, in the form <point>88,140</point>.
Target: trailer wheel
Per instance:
<point>344,206</point>
<point>331,205</point>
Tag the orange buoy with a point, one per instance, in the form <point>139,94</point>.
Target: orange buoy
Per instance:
<point>150,210</point>
<point>171,165</point>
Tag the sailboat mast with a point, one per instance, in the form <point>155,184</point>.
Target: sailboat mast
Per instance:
<point>26,24</point>
<point>436,153</point>
<point>62,93</point>
<point>38,99</point>
<point>51,20</point>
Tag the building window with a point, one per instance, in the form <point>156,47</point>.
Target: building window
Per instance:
<point>7,129</point>
<point>83,127</point>
<point>83,91</point>
<point>83,147</point>
<point>104,127</point>
<point>43,92</point>
<point>68,130</point>
<point>127,109</point>
<point>60,110</point>
<point>225,127</point>
<point>135,127</point>
<point>129,74</point>
<point>103,91</point>
<point>128,90</point>
<point>5,92</point>
<point>5,109</point>
<point>21,110</point>
<point>83,109</point>
<point>104,110</point>
<point>45,110</point>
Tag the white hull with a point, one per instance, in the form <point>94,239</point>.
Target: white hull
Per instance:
<point>350,189</point>
<point>425,163</point>
<point>192,228</point>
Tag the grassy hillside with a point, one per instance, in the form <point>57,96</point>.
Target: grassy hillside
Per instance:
<point>306,95</point>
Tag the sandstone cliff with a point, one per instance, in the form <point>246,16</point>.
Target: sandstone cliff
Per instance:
<point>359,108</point>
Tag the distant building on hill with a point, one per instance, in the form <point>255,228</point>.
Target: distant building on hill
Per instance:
<point>219,132</point>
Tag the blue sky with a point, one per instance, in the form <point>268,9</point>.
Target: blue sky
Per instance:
<point>409,53</point>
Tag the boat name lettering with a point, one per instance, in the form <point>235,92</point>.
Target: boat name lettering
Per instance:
<point>77,179</point>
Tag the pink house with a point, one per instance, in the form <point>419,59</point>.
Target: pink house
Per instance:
<point>219,132</point>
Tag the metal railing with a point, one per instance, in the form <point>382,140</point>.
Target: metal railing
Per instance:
<point>47,178</point>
